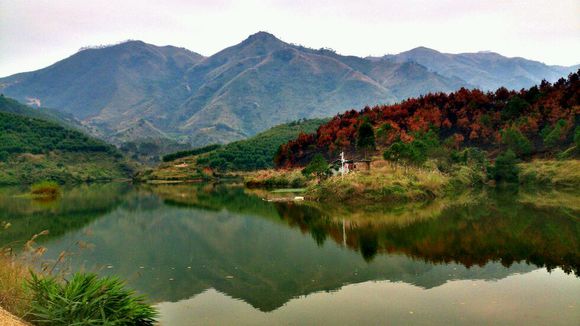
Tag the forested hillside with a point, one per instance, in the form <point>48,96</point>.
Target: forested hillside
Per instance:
<point>540,121</point>
<point>30,135</point>
<point>253,153</point>
<point>10,105</point>
<point>33,149</point>
<point>257,152</point>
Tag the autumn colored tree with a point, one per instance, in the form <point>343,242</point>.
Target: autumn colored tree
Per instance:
<point>491,121</point>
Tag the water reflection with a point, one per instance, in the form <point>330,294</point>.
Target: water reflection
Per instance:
<point>173,242</point>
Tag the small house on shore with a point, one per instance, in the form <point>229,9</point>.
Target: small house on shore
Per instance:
<point>344,166</point>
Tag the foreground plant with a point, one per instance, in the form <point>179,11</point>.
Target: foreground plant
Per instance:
<point>86,299</point>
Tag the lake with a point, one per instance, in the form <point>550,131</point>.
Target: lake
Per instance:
<point>221,254</point>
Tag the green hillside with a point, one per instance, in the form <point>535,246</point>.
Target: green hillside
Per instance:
<point>10,105</point>
<point>33,149</point>
<point>257,152</point>
<point>254,153</point>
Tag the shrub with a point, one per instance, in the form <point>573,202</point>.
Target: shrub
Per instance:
<point>45,189</point>
<point>553,136</point>
<point>318,166</point>
<point>516,141</point>
<point>86,299</point>
<point>415,151</point>
<point>505,168</point>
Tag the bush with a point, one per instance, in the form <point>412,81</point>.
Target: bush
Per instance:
<point>318,166</point>
<point>553,136</point>
<point>86,299</point>
<point>516,141</point>
<point>416,151</point>
<point>505,168</point>
<point>46,189</point>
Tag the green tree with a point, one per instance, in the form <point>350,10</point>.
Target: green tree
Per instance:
<point>365,137</point>
<point>505,168</point>
<point>318,166</point>
<point>408,153</point>
<point>514,108</point>
<point>553,136</point>
<point>516,141</point>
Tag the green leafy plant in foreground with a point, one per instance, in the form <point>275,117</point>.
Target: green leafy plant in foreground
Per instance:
<point>86,299</point>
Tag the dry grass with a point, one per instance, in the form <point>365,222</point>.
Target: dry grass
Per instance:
<point>552,199</point>
<point>13,295</point>
<point>276,178</point>
<point>45,189</point>
<point>385,182</point>
<point>564,173</point>
<point>183,169</point>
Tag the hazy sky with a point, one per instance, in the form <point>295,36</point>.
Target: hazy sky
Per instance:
<point>37,33</point>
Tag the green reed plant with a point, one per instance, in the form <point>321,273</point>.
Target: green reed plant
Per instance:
<point>86,299</point>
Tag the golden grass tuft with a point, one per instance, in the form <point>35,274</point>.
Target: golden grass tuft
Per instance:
<point>565,173</point>
<point>276,178</point>
<point>45,189</point>
<point>13,296</point>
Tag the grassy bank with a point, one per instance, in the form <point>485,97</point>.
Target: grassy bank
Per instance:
<point>384,182</point>
<point>63,167</point>
<point>390,182</point>
<point>557,173</point>
<point>181,170</point>
<point>276,179</point>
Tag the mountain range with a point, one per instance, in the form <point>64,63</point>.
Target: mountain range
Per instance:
<point>134,90</point>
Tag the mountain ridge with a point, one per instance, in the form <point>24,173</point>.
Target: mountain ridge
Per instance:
<point>243,89</point>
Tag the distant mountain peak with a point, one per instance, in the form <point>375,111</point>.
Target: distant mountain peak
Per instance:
<point>262,38</point>
<point>422,49</point>
<point>261,35</point>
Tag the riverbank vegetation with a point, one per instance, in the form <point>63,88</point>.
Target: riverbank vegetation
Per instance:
<point>539,122</point>
<point>45,190</point>
<point>425,147</point>
<point>48,297</point>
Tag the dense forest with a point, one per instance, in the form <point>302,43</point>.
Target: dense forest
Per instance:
<point>20,134</point>
<point>9,105</point>
<point>33,149</point>
<point>540,121</point>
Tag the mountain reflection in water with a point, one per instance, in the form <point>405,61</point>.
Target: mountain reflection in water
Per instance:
<point>173,242</point>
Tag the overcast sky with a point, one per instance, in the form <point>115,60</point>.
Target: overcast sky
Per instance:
<point>37,33</point>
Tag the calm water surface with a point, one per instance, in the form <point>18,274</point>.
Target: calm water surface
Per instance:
<point>222,255</point>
